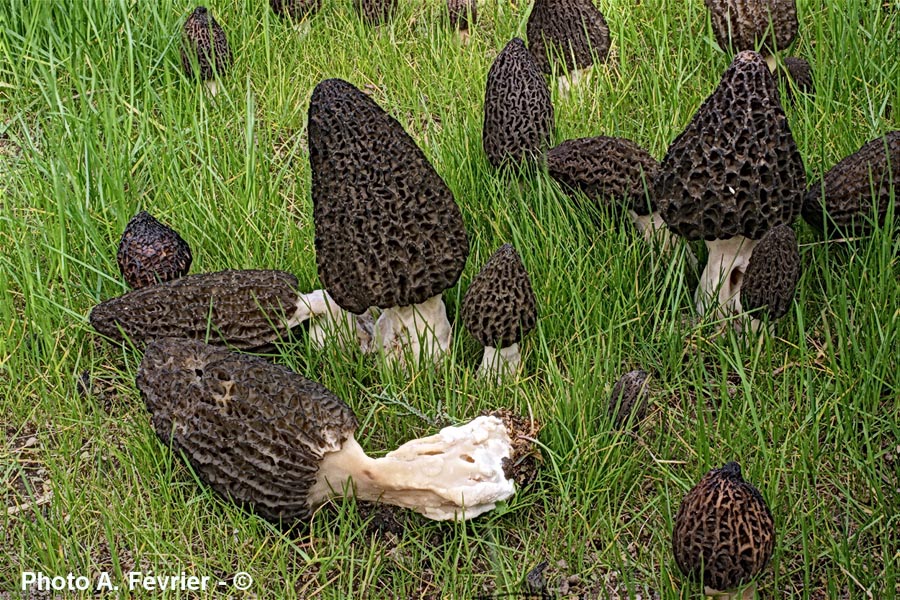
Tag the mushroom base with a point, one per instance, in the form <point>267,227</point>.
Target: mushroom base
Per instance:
<point>748,593</point>
<point>456,474</point>
<point>328,321</point>
<point>407,333</point>
<point>569,81</point>
<point>212,87</point>
<point>720,282</point>
<point>658,234</point>
<point>501,363</point>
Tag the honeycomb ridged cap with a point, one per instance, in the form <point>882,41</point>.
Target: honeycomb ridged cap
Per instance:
<point>745,24</point>
<point>772,273</point>
<point>571,31</point>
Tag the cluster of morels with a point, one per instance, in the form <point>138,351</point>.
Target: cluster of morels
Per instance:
<point>390,239</point>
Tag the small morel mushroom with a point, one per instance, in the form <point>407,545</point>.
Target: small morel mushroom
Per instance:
<point>628,401</point>
<point>241,309</point>
<point>772,275</point>
<point>463,14</point>
<point>375,12</point>
<point>518,113</point>
<point>566,36</point>
<point>388,231</point>
<point>732,175</point>
<point>296,10</point>
<point>498,308</point>
<point>203,41</point>
<point>724,533</point>
<point>281,445</point>
<point>150,252</point>
<point>857,191</point>
<point>797,76</point>
<point>747,24</point>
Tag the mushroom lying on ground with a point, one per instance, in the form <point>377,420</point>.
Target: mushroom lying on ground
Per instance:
<point>748,24</point>
<point>566,36</point>
<point>628,400</point>
<point>518,114</point>
<point>296,10</point>
<point>203,40</point>
<point>797,77</point>
<point>613,172</point>
<point>375,12</point>
<point>463,14</point>
<point>856,192</point>
<point>150,252</point>
<point>732,175</point>
<point>280,444</point>
<point>242,309</point>
<point>388,231</point>
<point>498,309</point>
<point>724,533</point>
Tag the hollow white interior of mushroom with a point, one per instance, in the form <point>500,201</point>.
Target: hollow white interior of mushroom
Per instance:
<point>455,474</point>
<point>419,330</point>
<point>720,282</point>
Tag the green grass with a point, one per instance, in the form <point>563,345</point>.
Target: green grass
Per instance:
<point>97,122</point>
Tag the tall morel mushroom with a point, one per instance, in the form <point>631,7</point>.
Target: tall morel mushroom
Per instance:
<point>628,400</point>
<point>204,42</point>
<point>518,113</point>
<point>463,14</point>
<point>375,12</point>
<point>856,192</point>
<point>724,533</point>
<point>296,10</point>
<point>242,309</point>
<point>567,36</point>
<point>280,444</point>
<point>498,309</point>
<point>388,231</point>
<point>150,252</point>
<point>732,175</point>
<point>748,24</point>
<point>771,277</point>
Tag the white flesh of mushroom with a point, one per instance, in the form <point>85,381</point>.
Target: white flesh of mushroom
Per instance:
<point>456,474</point>
<point>720,282</point>
<point>569,81</point>
<point>423,330</point>
<point>329,321</point>
<point>500,363</point>
<point>212,87</point>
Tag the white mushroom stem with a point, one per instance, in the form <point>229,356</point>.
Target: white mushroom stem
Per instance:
<point>422,330</point>
<point>456,474</point>
<point>771,62</point>
<point>720,282</point>
<point>212,87</point>
<point>748,593</point>
<point>658,234</point>
<point>328,321</point>
<point>500,363</point>
<point>569,81</point>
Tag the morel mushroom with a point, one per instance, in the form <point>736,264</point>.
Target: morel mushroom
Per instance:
<point>388,231</point>
<point>498,309</point>
<point>518,113</point>
<point>242,309</point>
<point>772,275</point>
<point>747,24</point>
<point>375,12</point>
<point>203,41</point>
<point>797,77</point>
<point>732,175</point>
<point>463,14</point>
<point>856,192</point>
<point>280,444</point>
<point>628,401</point>
<point>724,532</point>
<point>567,36</point>
<point>150,252</point>
<point>295,10</point>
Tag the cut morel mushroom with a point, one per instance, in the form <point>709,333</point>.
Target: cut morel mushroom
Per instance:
<point>628,401</point>
<point>242,309</point>
<point>498,309</point>
<point>518,113</point>
<point>281,445</point>
<point>150,252</point>
<point>724,533</point>
<point>856,192</point>
<point>204,45</point>
<point>388,231</point>
<point>463,14</point>
<point>295,10</point>
<point>375,12</point>
<point>567,36</point>
<point>732,175</point>
<point>748,24</point>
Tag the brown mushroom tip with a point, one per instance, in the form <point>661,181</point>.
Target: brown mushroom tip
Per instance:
<point>295,10</point>
<point>151,252</point>
<point>747,24</point>
<point>798,76</point>
<point>375,12</point>
<point>568,34</point>
<point>629,398</point>
<point>525,457</point>
<point>772,274</point>
<point>204,42</point>
<point>463,13</point>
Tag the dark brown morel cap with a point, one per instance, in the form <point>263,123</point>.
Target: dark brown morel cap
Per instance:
<point>518,114</point>
<point>607,170</point>
<point>854,186</point>
<point>745,24</point>
<point>295,9</point>
<point>772,273</point>
<point>629,397</point>
<point>463,13</point>
<point>243,309</point>
<point>388,231</point>
<point>150,252</point>
<point>735,170</point>
<point>252,430</point>
<point>204,40</point>
<point>724,532</point>
<point>571,32</point>
<point>499,306</point>
<point>375,12</point>
<point>797,76</point>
